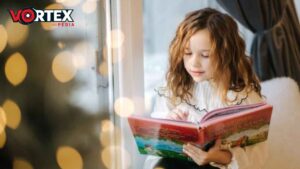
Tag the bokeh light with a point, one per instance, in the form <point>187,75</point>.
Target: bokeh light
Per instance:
<point>89,6</point>
<point>107,125</point>
<point>69,3</point>
<point>115,56</point>
<point>111,137</point>
<point>13,113</point>
<point>2,120</point>
<point>69,158</point>
<point>16,33</point>
<point>2,139</point>
<point>111,155</point>
<point>63,68</point>
<point>103,68</point>
<point>84,55</point>
<point>15,69</point>
<point>61,45</point>
<point>124,107</point>
<point>51,25</point>
<point>3,38</point>
<point>21,164</point>
<point>117,38</point>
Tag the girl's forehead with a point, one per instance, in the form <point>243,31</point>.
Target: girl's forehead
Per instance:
<point>200,40</point>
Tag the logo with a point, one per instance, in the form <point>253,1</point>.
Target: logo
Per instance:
<point>29,15</point>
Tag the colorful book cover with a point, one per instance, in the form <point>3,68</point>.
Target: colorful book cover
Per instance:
<point>240,125</point>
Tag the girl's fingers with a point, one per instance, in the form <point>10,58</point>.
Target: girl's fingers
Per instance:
<point>181,116</point>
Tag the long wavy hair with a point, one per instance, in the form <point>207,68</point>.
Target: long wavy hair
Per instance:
<point>232,68</point>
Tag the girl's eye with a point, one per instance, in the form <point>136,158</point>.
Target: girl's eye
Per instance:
<point>205,56</point>
<point>188,53</point>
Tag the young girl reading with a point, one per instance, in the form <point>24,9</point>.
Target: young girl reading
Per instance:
<point>208,69</point>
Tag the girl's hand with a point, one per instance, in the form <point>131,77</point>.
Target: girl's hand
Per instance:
<point>214,154</point>
<point>178,115</point>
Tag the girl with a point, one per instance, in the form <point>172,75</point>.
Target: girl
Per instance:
<point>208,69</point>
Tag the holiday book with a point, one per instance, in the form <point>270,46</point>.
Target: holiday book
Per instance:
<point>239,125</point>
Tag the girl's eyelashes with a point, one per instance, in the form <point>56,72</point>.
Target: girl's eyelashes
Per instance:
<point>204,56</point>
<point>188,53</point>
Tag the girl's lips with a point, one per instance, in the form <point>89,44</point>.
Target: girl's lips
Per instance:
<point>197,73</point>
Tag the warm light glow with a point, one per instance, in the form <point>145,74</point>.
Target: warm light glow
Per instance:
<point>107,125</point>
<point>106,137</point>
<point>84,55</point>
<point>2,139</point>
<point>16,69</point>
<point>115,55</point>
<point>61,45</point>
<point>111,156</point>
<point>117,38</point>
<point>69,3</point>
<point>21,164</point>
<point>3,38</point>
<point>124,107</point>
<point>68,158</point>
<point>51,25</point>
<point>63,68</point>
<point>2,120</point>
<point>16,33</point>
<point>13,113</point>
<point>104,53</point>
<point>103,68</point>
<point>89,7</point>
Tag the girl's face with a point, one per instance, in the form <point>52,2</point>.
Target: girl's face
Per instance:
<point>196,57</point>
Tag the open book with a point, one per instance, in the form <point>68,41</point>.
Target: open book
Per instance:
<point>239,125</point>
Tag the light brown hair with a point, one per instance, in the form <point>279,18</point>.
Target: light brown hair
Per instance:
<point>231,66</point>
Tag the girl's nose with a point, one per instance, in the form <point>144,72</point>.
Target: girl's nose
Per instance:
<point>196,61</point>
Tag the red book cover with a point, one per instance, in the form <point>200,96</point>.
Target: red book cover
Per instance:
<point>240,125</point>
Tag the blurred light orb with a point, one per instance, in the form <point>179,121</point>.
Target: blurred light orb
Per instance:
<point>3,120</point>
<point>2,139</point>
<point>13,113</point>
<point>68,158</point>
<point>111,137</point>
<point>3,38</point>
<point>89,7</point>
<point>51,25</point>
<point>16,33</point>
<point>61,45</point>
<point>63,68</point>
<point>103,68</point>
<point>16,69</point>
<point>84,55</point>
<point>116,40</point>
<point>124,107</point>
<point>69,3</point>
<point>111,157</point>
<point>21,164</point>
<point>107,125</point>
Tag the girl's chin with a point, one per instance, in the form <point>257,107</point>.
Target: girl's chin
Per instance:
<point>200,79</point>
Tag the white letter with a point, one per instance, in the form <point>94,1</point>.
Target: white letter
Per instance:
<point>48,12</point>
<point>67,15</point>
<point>39,16</point>
<point>57,15</point>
